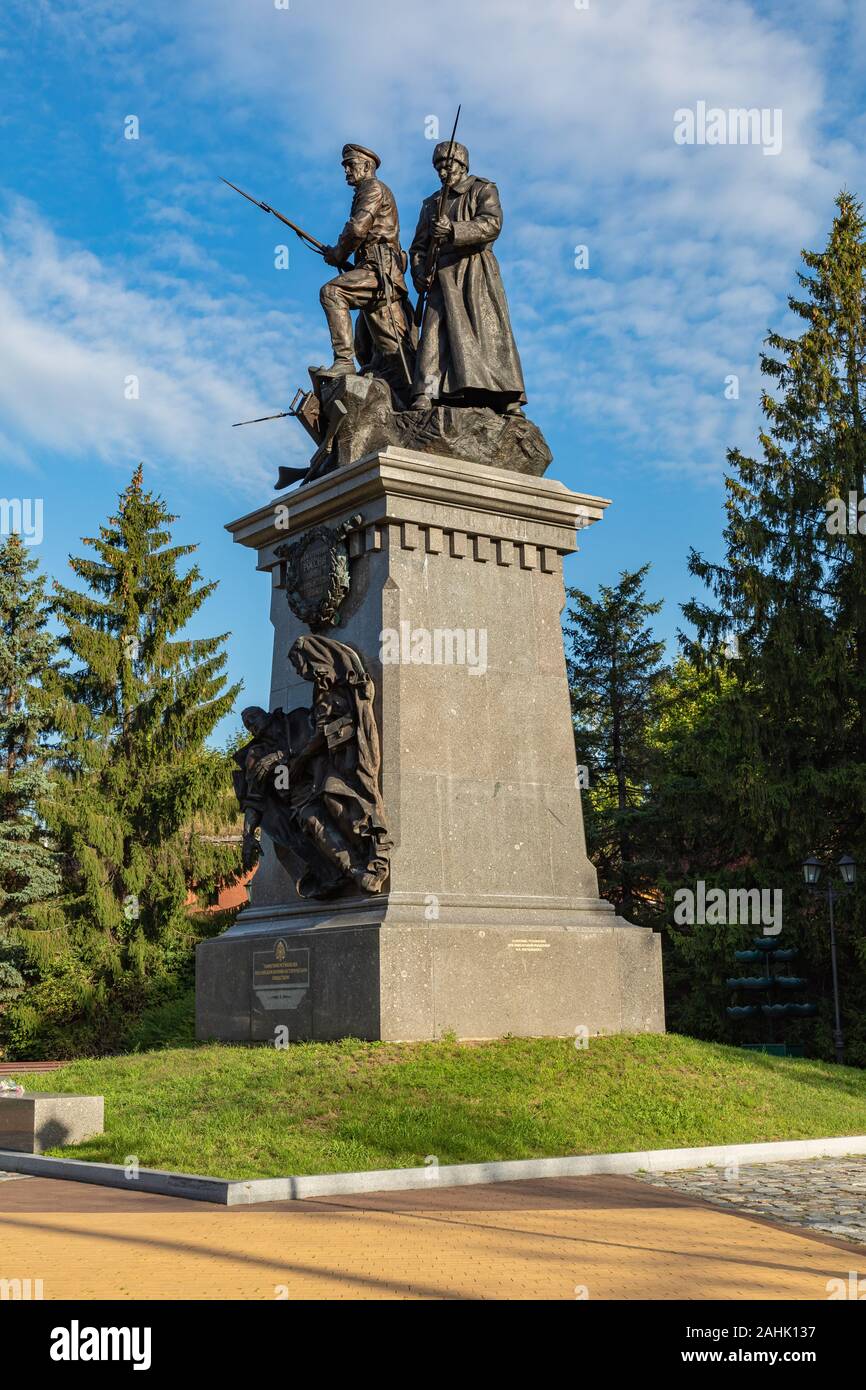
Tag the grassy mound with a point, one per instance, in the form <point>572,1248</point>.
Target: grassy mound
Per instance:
<point>247,1112</point>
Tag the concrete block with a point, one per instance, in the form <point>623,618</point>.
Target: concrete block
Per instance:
<point>41,1120</point>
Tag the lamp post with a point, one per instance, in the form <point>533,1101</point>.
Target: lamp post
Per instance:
<point>848,871</point>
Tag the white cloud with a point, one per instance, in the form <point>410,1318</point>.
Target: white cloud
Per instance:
<point>692,249</point>
<point>572,111</point>
<point>73,330</point>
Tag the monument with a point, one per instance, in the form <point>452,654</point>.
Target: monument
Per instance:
<point>411,792</point>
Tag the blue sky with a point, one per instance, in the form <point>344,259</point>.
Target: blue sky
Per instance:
<point>127,257</point>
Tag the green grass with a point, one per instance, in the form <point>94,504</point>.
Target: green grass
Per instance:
<point>246,1112</point>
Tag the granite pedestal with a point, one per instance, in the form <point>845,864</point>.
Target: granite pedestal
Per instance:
<point>40,1120</point>
<point>491,921</point>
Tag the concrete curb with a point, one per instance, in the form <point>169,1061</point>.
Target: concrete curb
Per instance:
<point>230,1192</point>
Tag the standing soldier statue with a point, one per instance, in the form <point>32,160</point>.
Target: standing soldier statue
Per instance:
<point>385,337</point>
<point>467,355</point>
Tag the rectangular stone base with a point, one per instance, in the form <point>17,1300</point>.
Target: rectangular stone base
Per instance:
<point>38,1121</point>
<point>373,970</point>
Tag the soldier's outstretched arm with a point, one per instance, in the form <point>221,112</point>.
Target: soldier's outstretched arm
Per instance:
<point>485,226</point>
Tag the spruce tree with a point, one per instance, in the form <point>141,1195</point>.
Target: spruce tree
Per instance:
<point>136,705</point>
<point>614,666</point>
<point>29,868</point>
<point>695,835</point>
<point>791,596</point>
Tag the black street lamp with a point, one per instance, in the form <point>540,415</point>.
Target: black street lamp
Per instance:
<point>812,872</point>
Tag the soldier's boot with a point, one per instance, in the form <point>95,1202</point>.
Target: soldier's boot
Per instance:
<point>340,326</point>
<point>421,403</point>
<point>341,366</point>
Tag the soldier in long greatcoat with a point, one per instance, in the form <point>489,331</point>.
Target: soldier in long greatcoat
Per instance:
<point>467,354</point>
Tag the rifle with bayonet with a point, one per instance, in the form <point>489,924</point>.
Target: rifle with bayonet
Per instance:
<point>318,246</point>
<point>432,262</point>
<point>304,407</point>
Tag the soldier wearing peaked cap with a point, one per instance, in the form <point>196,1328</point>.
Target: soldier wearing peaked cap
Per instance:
<point>467,354</point>
<point>385,336</point>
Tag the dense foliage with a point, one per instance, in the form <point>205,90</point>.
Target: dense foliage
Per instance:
<point>29,866</point>
<point>138,792</point>
<point>757,736</point>
<point>614,670</point>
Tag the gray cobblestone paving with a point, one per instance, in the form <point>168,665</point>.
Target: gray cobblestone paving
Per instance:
<point>825,1194</point>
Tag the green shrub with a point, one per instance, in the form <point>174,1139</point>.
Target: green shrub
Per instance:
<point>11,982</point>
<point>169,1024</point>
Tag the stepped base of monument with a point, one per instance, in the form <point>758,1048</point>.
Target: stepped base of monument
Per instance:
<point>404,968</point>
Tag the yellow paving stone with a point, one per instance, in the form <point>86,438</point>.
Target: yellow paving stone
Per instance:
<point>601,1238</point>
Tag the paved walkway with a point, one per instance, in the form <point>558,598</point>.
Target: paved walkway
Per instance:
<point>823,1194</point>
<point>597,1237</point>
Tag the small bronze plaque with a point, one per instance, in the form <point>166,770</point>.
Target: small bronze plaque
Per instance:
<point>281,976</point>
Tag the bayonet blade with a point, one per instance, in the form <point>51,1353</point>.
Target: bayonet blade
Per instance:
<point>259,418</point>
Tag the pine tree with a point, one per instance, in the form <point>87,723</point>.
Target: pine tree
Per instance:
<point>136,706</point>
<point>614,670</point>
<point>791,597</point>
<point>29,869</point>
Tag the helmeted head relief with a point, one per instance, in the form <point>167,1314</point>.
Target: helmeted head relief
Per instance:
<point>350,151</point>
<point>460,152</point>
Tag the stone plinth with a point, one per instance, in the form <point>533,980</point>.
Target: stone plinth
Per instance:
<point>491,921</point>
<point>371,425</point>
<point>40,1120</point>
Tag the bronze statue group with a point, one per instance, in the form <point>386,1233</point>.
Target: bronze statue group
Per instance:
<point>465,353</point>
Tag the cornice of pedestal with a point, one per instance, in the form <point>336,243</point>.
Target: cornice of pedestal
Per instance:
<point>413,490</point>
